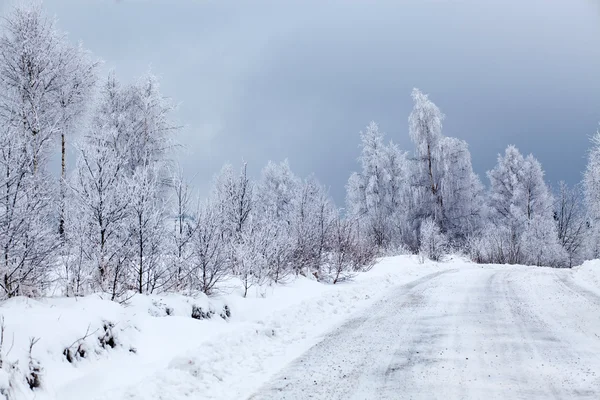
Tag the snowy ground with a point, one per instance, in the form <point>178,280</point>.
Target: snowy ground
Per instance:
<point>402,330</point>
<point>504,332</point>
<point>174,356</point>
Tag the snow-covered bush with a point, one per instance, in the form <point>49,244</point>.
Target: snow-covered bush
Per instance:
<point>540,244</point>
<point>347,254</point>
<point>433,243</point>
<point>499,245</point>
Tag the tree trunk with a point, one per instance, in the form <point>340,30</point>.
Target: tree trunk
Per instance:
<point>61,225</point>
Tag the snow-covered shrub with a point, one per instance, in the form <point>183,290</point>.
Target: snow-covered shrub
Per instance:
<point>199,313</point>
<point>433,243</point>
<point>498,245</point>
<point>13,385</point>
<point>107,338</point>
<point>226,313</point>
<point>34,375</point>
<point>540,244</point>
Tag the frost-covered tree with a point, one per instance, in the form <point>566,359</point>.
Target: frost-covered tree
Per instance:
<point>183,229</point>
<point>32,75</point>
<point>314,214</point>
<point>521,208</point>
<point>45,82</point>
<point>150,136</point>
<point>537,199</point>
<point>398,196</point>
<point>276,191</point>
<point>366,190</point>
<point>34,61</point>
<point>276,194</point>
<point>278,250</point>
<point>99,189</point>
<point>507,210</point>
<point>234,196</point>
<point>119,185</point>
<point>209,251</point>
<point>101,195</point>
<point>425,128</point>
<point>377,194</point>
<point>506,180</point>
<point>146,222</point>
<point>248,256</point>
<point>462,191</point>
<point>444,186</point>
<point>571,222</point>
<point>27,240</point>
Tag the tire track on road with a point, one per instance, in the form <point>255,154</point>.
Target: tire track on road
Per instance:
<point>342,352</point>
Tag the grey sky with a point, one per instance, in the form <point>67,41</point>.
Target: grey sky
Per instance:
<point>299,79</point>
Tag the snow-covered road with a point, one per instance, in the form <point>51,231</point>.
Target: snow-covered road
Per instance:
<point>467,333</point>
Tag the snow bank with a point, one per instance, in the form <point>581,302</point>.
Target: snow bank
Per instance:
<point>150,348</point>
<point>587,275</point>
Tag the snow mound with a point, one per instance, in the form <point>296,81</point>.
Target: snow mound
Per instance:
<point>587,275</point>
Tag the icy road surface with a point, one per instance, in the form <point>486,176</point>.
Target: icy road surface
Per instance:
<point>473,333</point>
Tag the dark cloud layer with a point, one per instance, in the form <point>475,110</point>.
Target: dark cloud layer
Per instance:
<point>296,79</point>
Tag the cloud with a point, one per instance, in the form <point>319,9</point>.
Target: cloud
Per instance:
<point>261,80</point>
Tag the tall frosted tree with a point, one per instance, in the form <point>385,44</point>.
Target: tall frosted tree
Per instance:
<point>183,229</point>
<point>276,194</point>
<point>444,186</point>
<point>27,240</point>
<point>148,142</point>
<point>425,129</point>
<point>147,224</point>
<point>32,75</point>
<point>46,84</point>
<point>101,194</point>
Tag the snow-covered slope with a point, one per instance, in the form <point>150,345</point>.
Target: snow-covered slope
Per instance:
<point>158,351</point>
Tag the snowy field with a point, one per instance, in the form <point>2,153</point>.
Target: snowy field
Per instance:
<point>402,330</point>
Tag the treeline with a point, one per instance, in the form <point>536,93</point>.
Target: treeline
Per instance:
<point>429,201</point>
<point>125,220</point>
